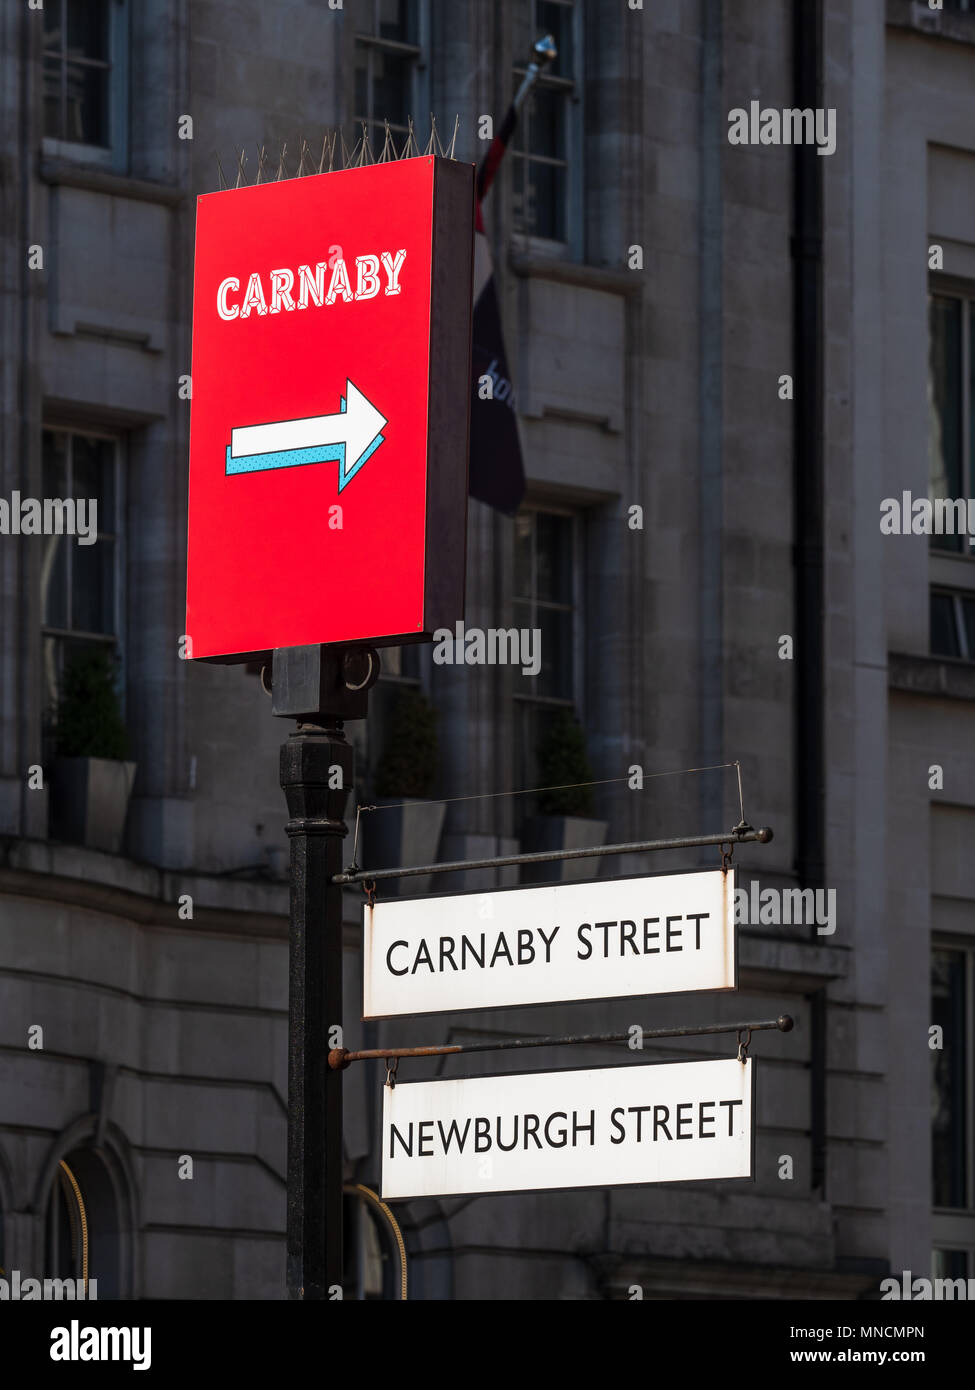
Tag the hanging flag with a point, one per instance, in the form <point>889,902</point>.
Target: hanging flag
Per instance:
<point>497,473</point>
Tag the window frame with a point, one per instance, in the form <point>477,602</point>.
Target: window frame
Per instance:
<point>573,247</point>
<point>116,640</point>
<point>953,1228</point>
<point>114,156</point>
<point>419,97</point>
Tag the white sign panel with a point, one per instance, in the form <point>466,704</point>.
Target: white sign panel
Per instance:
<point>610,939</point>
<point>643,1123</point>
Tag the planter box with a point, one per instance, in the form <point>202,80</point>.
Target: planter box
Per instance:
<point>406,834</point>
<point>560,833</point>
<point>89,801</point>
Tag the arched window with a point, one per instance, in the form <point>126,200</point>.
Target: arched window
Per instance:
<point>375,1255</point>
<point>81,1238</point>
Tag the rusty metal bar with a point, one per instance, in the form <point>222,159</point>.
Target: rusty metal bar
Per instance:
<point>341,1057</point>
<point>741,834</point>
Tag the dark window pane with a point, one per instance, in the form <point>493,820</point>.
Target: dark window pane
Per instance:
<point>523,555</point>
<point>361,83</point>
<point>54,581</point>
<point>87,105</point>
<point>944,633</point>
<point>555,635</point>
<point>52,23</point>
<point>52,98</point>
<point>391,87</point>
<point>948,1082</point>
<point>968,613</point>
<point>950,1264</point>
<point>94,477</point>
<point>546,201</point>
<point>944,407</point>
<point>553,557</point>
<point>54,463</point>
<point>93,587</point>
<point>398,20</point>
<point>88,29</point>
<point>545,124</point>
<point>557,20</point>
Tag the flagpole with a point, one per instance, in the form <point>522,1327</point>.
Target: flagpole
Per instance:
<point>544,52</point>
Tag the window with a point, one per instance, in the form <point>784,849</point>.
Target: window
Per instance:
<point>86,79</point>
<point>372,1249</point>
<point>951,1079</point>
<point>80,590</point>
<point>82,1228</point>
<point>953,624</point>
<point>546,601</point>
<point>545,154</point>
<point>951,391</point>
<point>389,71</point>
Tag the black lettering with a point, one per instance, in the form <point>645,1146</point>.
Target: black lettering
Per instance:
<point>661,1124</point>
<point>649,936</point>
<point>628,938</point>
<point>466,944</point>
<point>423,1138</point>
<point>447,952</point>
<point>683,1120</point>
<point>697,918</point>
<point>578,1129</point>
<point>423,957</point>
<point>389,959</point>
<point>671,932</point>
<point>731,1114</point>
<point>548,943</point>
<point>531,1130</point>
<point>564,1139</point>
<point>639,1111</point>
<point>482,1131</point>
<point>454,1132</point>
<point>616,1125</point>
<point>525,944</point>
<point>501,949</point>
<point>700,1126</point>
<point>506,1148</point>
<point>604,928</point>
<point>587,943</point>
<point>395,1134</point>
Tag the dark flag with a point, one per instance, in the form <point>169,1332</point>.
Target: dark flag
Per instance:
<point>497,473</point>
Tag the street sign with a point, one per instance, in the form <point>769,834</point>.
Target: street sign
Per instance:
<point>330,405</point>
<point>605,1127</point>
<point>612,938</point>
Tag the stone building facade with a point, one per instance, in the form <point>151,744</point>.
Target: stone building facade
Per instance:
<point>658,284</point>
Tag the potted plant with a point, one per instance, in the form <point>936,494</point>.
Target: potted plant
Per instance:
<point>565,817</point>
<point>409,831</point>
<point>91,779</point>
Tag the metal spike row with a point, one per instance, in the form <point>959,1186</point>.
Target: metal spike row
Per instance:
<point>336,154</point>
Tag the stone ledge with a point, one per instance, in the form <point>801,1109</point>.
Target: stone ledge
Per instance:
<point>934,24</point>
<point>589,277</point>
<point>140,892</point>
<point>931,675</point>
<point>93,179</point>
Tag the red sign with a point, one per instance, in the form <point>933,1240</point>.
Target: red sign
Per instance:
<point>329,427</point>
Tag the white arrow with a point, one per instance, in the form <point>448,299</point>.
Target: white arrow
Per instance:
<point>351,436</point>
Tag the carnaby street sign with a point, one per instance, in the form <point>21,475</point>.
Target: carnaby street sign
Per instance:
<point>330,405</point>
<point>612,938</point>
<point>608,1126</point>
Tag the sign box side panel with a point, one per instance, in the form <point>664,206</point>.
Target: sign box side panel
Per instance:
<point>448,423</point>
